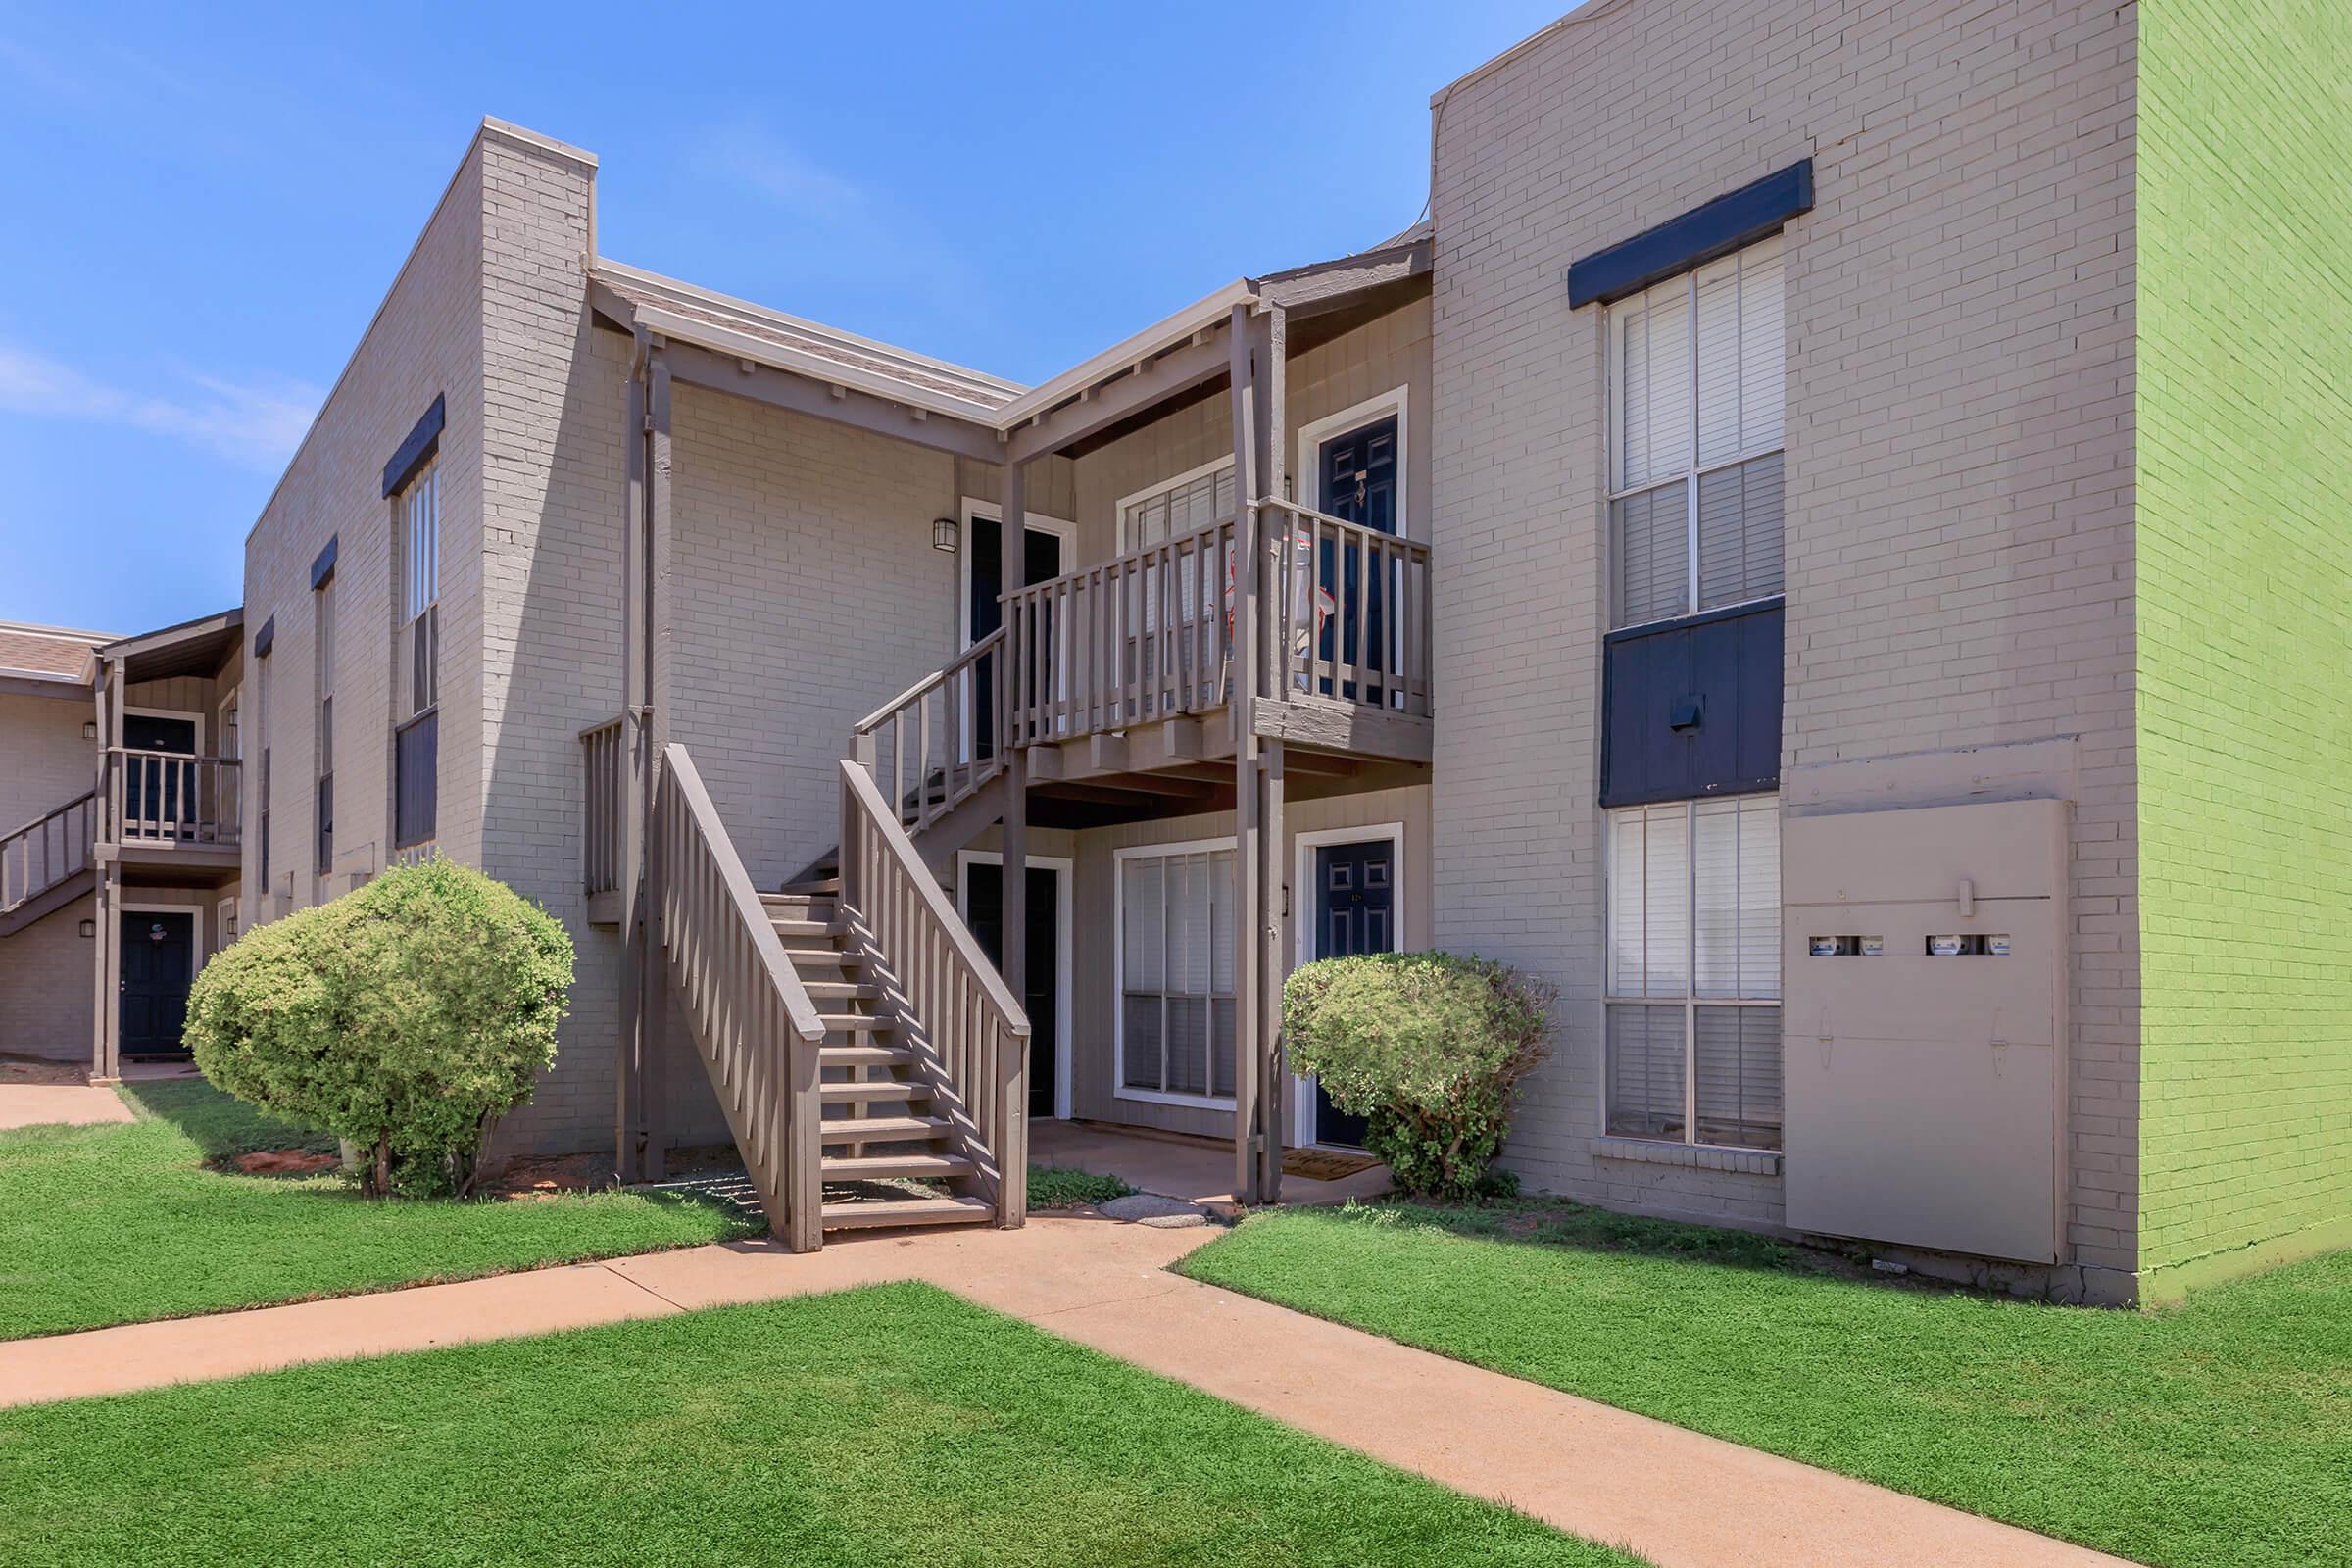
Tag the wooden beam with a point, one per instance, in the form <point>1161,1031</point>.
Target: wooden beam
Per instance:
<point>662,683</point>
<point>635,672</point>
<point>832,401</point>
<point>1246,776</point>
<point>1168,377</point>
<point>1012,516</point>
<point>1337,724</point>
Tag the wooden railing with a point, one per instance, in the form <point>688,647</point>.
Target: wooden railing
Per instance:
<point>1350,610</point>
<point>166,798</point>
<point>935,745</point>
<point>753,1021</point>
<point>1150,634</point>
<point>47,849</point>
<point>971,1035</point>
<point>1147,635</point>
<point>605,804</point>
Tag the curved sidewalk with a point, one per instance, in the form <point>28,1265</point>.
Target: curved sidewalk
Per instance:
<point>1681,1499</point>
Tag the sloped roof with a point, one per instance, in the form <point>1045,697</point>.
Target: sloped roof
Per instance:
<point>48,653</point>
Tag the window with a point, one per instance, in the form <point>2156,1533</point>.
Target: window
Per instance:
<point>1693,1016</point>
<point>324,651</point>
<point>1180,506</point>
<point>417,740</point>
<point>1696,374</point>
<point>261,703</point>
<point>1177,508</point>
<point>1176,973</point>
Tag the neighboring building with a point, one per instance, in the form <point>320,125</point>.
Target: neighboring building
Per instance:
<point>120,784</point>
<point>1821,546</point>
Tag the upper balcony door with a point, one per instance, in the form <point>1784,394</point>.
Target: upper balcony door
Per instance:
<point>1045,548</point>
<point>1356,475</point>
<point>158,795</point>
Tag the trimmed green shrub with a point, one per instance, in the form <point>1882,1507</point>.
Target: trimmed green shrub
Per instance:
<point>405,1017</point>
<point>1426,1046</point>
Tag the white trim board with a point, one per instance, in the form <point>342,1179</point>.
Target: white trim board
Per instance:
<point>1305,477</point>
<point>1304,901</point>
<point>1065,877</point>
<point>1118,973</point>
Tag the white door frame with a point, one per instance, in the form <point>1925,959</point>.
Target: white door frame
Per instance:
<point>1307,902</point>
<point>1065,872</point>
<point>1397,400</point>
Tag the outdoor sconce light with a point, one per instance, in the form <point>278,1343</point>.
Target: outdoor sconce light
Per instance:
<point>943,534</point>
<point>89,729</point>
<point>89,928</point>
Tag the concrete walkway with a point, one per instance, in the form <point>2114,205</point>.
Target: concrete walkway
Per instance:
<point>75,1104</point>
<point>1681,1499</point>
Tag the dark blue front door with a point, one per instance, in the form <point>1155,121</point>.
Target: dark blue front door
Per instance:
<point>157,950</point>
<point>1041,562</point>
<point>984,913</point>
<point>1356,909</point>
<point>158,793</point>
<point>1357,484</point>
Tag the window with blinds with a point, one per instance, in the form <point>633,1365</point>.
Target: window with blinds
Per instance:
<point>1176,973</point>
<point>1694,982</point>
<point>1697,367</point>
<point>1184,505</point>
<point>416,738</point>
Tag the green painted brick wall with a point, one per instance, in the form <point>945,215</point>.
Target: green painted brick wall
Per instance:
<point>2244,597</point>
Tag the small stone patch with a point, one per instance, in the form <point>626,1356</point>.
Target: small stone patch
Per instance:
<point>1161,1213</point>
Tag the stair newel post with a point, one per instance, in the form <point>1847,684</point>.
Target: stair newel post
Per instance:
<point>1009,1134</point>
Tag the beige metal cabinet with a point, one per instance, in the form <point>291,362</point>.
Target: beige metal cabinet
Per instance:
<point>1925,960</point>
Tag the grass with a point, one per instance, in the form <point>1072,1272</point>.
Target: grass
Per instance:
<point>126,1223</point>
<point>2217,1432</point>
<point>886,1426</point>
<point>1061,1187</point>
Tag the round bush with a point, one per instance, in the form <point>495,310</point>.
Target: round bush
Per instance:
<point>405,1017</point>
<point>1427,1047</point>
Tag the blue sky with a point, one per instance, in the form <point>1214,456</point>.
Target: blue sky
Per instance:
<point>207,204</point>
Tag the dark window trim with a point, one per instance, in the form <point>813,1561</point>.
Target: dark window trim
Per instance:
<point>1745,607</point>
<point>322,570</point>
<point>1695,238</point>
<point>265,639</point>
<point>431,826</point>
<point>421,443</point>
<point>1615,792</point>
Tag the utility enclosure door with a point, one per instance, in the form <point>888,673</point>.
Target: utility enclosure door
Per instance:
<point>1925,969</point>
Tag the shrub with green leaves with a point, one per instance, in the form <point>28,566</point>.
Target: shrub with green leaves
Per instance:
<point>406,1017</point>
<point>1428,1047</point>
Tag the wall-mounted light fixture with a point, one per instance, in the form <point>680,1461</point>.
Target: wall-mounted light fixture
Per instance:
<point>943,534</point>
<point>89,729</point>
<point>89,928</point>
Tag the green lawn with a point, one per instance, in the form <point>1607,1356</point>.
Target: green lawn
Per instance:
<point>890,1426</point>
<point>2219,1432</point>
<point>119,1224</point>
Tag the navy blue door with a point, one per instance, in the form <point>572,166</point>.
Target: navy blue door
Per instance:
<point>156,954</point>
<point>1041,562</point>
<point>1357,484</point>
<point>154,791</point>
<point>1355,912</point>
<point>984,913</point>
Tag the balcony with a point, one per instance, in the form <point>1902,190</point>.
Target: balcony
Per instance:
<point>165,809</point>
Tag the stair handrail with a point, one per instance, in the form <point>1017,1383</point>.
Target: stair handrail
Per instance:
<point>975,1032</point>
<point>963,764</point>
<point>75,850</point>
<point>757,1028</point>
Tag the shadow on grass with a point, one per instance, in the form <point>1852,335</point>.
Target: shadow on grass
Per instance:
<point>221,1125</point>
<point>1558,1223</point>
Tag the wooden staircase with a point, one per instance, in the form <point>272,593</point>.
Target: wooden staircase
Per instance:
<point>880,1132</point>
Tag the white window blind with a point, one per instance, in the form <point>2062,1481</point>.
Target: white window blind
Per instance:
<point>1693,1027</point>
<point>1176,973</point>
<point>1698,374</point>
<point>1178,508</point>
<point>420,508</point>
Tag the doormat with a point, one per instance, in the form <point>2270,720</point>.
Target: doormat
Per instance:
<point>1324,1164</point>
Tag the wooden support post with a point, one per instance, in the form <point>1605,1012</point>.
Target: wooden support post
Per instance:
<point>1274,888</point>
<point>655,1000</point>
<point>1270,347</point>
<point>636,672</point>
<point>1246,1080</point>
<point>107,1056</point>
<point>1010,1136</point>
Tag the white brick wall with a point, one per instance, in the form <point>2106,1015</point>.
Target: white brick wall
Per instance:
<point>1959,460</point>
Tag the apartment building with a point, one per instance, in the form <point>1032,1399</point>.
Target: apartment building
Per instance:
<point>1787,550</point>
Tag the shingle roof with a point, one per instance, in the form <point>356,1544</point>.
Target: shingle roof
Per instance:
<point>47,653</point>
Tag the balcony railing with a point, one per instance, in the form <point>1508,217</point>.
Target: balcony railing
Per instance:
<point>165,798</point>
<point>47,849</point>
<point>1150,634</point>
<point>604,767</point>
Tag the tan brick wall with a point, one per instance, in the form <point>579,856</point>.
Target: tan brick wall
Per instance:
<point>45,975</point>
<point>424,342</point>
<point>1958,466</point>
<point>44,758</point>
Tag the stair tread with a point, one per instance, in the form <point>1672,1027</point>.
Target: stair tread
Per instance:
<point>802,928</point>
<point>872,1089</point>
<point>878,1129</point>
<point>842,990</point>
<point>908,1211</point>
<point>858,1023</point>
<point>864,1056</point>
<point>840,1167</point>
